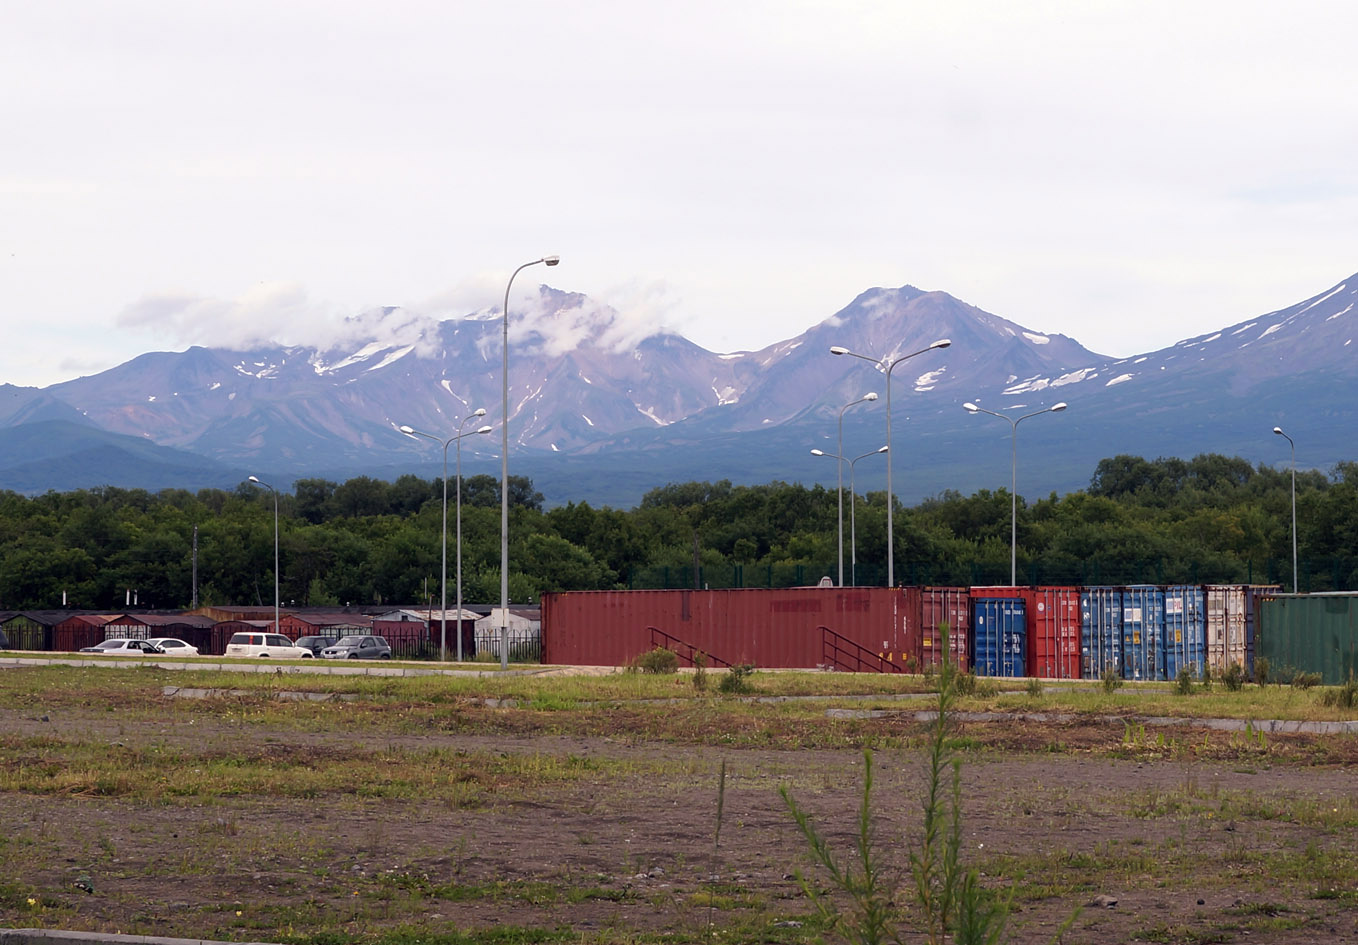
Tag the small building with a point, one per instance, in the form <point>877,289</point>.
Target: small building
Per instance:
<point>30,629</point>
<point>324,624</point>
<point>419,634</point>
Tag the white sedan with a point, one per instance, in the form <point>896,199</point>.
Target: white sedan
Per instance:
<point>173,646</point>
<point>122,648</point>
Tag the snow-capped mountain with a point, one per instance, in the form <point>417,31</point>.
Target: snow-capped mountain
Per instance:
<point>603,409</point>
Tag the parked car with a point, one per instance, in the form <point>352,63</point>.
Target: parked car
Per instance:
<point>122,648</point>
<point>358,648</point>
<point>173,646</point>
<point>316,644</point>
<point>266,645</point>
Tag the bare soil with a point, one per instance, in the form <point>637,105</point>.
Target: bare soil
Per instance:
<point>1184,847</point>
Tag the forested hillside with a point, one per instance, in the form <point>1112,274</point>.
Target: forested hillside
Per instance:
<point>365,541</point>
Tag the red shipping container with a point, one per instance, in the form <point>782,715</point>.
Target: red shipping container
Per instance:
<point>943,612</point>
<point>1053,631</point>
<point>850,628</point>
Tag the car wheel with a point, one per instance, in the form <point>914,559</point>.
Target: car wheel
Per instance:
<point>307,656</point>
<point>264,656</point>
<point>385,656</point>
<point>353,656</point>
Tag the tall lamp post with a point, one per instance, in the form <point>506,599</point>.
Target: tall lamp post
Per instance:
<point>1279,431</point>
<point>1013,476</point>
<point>853,524</point>
<point>504,466</point>
<point>887,365</point>
<point>412,432</point>
<point>259,482</point>
<point>839,471</point>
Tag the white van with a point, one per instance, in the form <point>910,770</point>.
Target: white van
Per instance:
<point>266,645</point>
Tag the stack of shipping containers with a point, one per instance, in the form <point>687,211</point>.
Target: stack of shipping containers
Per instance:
<point>1185,631</point>
<point>1053,615</point>
<point>999,631</point>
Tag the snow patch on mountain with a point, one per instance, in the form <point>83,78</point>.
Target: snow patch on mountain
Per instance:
<point>1036,338</point>
<point>1120,379</point>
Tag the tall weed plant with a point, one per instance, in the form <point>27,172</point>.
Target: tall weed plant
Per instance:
<point>946,900</point>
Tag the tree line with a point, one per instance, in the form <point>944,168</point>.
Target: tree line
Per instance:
<point>370,542</point>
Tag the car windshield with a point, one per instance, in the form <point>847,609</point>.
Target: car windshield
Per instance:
<point>111,645</point>
<point>349,641</point>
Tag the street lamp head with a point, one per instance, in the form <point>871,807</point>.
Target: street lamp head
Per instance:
<point>485,429</point>
<point>1277,430</point>
<point>838,350</point>
<point>818,452</point>
<point>479,412</point>
<point>551,260</point>
<point>941,343</point>
<point>1057,408</point>
<point>255,479</point>
<point>408,431</point>
<point>970,407</point>
<point>884,449</point>
<point>870,395</point>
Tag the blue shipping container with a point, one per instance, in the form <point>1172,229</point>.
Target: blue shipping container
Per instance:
<point>1143,621</point>
<point>1184,641</point>
<point>1000,636</point>
<point>1100,631</point>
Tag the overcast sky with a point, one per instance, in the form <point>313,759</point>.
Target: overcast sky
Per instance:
<point>222,173</point>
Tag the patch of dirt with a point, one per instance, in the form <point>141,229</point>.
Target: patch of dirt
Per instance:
<point>1179,844</point>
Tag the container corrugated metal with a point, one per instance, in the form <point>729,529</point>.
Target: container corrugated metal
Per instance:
<point>945,624</point>
<point>768,628</point>
<point>999,634</point>
<point>1310,633</point>
<point>1053,615</point>
<point>1143,618</point>
<point>1184,641</point>
<point>1100,631</point>
<point>1253,594</point>
<point>1225,605</point>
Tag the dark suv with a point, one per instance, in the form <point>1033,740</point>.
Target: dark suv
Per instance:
<point>316,644</point>
<point>358,648</point>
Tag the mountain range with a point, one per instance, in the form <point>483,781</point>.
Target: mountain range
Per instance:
<point>602,412</point>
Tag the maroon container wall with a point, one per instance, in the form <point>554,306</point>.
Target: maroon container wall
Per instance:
<point>768,628</point>
<point>1053,631</point>
<point>939,605</point>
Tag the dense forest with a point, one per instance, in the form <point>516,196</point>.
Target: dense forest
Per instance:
<point>365,541</point>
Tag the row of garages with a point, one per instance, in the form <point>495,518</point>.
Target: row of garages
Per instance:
<point>413,633</point>
<point>1140,632</point>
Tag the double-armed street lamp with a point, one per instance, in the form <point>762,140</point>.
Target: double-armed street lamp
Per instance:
<point>259,482</point>
<point>412,432</point>
<point>886,366</point>
<point>504,466</point>
<point>1013,475</point>
<point>853,525</point>
<point>839,470</point>
<point>1279,431</point>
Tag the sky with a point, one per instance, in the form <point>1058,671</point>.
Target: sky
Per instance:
<point>240,172</point>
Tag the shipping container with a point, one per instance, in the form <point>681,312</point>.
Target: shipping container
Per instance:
<point>944,625</point>
<point>1053,616</point>
<point>1253,593</point>
<point>1100,631</point>
<point>999,633</point>
<point>79,631</point>
<point>847,628</point>
<point>1225,605</point>
<point>1143,617</point>
<point>1309,633</point>
<point>1184,641</point>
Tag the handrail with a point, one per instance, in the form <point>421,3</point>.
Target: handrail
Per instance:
<point>685,651</point>
<point>842,653</point>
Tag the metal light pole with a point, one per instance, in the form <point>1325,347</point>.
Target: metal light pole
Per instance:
<point>853,525</point>
<point>504,467</point>
<point>887,365</point>
<point>443,621</point>
<point>1279,431</point>
<point>1013,476</point>
<point>839,471</point>
<point>259,482</point>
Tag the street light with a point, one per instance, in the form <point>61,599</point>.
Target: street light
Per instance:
<point>839,470</point>
<point>887,365</point>
<point>504,467</point>
<point>259,482</point>
<point>1013,476</point>
<point>1279,431</point>
<point>853,525</point>
<point>412,432</point>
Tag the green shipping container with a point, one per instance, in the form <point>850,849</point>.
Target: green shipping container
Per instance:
<point>1309,633</point>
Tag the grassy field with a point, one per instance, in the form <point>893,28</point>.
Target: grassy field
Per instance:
<point>526,808</point>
